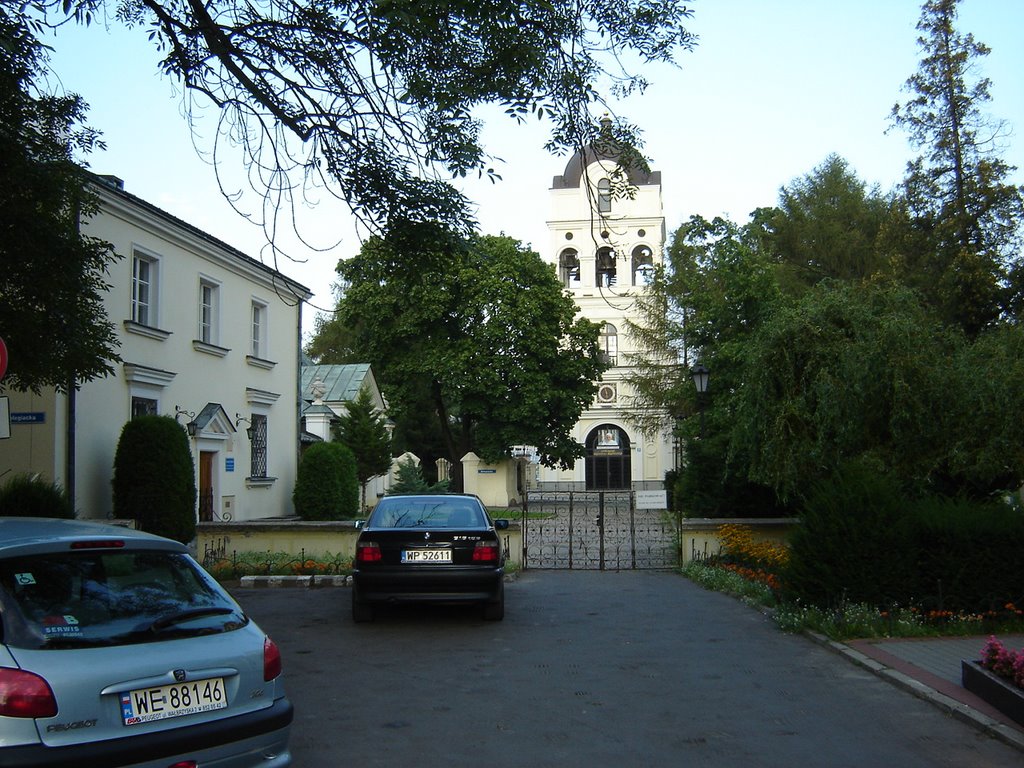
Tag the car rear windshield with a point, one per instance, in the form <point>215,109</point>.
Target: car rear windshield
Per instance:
<point>90,598</point>
<point>429,513</point>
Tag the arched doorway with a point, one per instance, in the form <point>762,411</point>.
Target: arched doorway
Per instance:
<point>608,459</point>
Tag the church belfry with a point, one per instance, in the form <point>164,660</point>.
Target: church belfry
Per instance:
<point>606,232</point>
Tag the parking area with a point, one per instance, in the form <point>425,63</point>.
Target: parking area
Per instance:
<point>639,668</point>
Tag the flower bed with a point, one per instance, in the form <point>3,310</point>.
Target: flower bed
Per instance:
<point>997,678</point>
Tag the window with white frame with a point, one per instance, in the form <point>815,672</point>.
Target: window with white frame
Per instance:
<point>145,274</point>
<point>260,330</point>
<point>604,196</point>
<point>209,309</point>
<point>609,342</point>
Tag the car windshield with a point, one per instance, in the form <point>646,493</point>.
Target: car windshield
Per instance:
<point>426,513</point>
<point>90,598</point>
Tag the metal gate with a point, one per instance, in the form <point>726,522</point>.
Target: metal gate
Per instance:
<point>596,530</point>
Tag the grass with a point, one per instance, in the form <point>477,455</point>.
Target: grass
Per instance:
<point>849,620</point>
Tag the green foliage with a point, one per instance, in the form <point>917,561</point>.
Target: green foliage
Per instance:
<point>490,343</point>
<point>31,496</point>
<point>729,582</point>
<point>154,478</point>
<point>363,431</point>
<point>378,101</point>
<point>52,314</point>
<point>848,371</point>
<point>239,564</point>
<point>326,487</point>
<point>967,216</point>
<point>863,539</point>
<point>409,480</point>
<point>967,554</point>
<point>827,226</point>
<point>853,543</point>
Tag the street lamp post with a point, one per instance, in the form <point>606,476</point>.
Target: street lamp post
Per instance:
<point>700,375</point>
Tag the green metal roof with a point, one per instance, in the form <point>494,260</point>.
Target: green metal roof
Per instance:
<point>342,382</point>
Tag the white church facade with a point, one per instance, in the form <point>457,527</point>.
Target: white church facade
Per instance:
<point>605,247</point>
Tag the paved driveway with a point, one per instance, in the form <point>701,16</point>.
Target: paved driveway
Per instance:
<point>592,669</point>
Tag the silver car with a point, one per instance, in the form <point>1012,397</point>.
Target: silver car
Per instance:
<point>118,649</point>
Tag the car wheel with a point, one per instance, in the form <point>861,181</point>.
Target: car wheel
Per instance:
<point>360,611</point>
<point>495,610</point>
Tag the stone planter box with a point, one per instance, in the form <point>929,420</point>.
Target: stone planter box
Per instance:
<point>997,691</point>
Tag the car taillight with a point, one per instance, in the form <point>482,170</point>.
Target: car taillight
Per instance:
<point>23,694</point>
<point>97,544</point>
<point>368,552</point>
<point>271,659</point>
<point>485,552</point>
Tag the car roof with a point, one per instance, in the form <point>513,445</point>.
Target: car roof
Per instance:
<point>28,535</point>
<point>430,497</point>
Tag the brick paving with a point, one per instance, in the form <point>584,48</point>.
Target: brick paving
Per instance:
<point>930,668</point>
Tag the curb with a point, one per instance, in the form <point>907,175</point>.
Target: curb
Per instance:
<point>957,709</point>
<point>311,582</point>
<point>307,582</point>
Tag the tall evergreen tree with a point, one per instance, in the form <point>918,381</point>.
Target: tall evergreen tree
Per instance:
<point>827,225</point>
<point>969,217</point>
<point>363,430</point>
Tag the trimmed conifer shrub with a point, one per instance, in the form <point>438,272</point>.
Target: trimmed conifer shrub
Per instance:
<point>154,478</point>
<point>30,496</point>
<point>853,541</point>
<point>326,487</point>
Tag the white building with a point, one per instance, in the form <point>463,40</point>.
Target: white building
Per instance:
<point>605,247</point>
<point>208,335</point>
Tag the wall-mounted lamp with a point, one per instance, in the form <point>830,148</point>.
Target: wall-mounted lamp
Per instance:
<point>191,425</point>
<point>239,418</point>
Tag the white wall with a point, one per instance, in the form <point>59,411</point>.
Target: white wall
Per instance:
<point>167,363</point>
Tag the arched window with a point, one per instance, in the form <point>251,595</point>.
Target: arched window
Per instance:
<point>609,342</point>
<point>643,265</point>
<point>604,196</point>
<point>605,263</point>
<point>569,268</point>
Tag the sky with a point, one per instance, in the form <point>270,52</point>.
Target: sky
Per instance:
<point>771,90</point>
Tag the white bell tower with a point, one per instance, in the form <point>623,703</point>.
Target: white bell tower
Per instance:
<point>606,235</point>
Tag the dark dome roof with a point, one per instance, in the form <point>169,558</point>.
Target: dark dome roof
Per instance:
<point>572,176</point>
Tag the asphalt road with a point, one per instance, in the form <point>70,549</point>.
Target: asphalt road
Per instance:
<point>592,669</point>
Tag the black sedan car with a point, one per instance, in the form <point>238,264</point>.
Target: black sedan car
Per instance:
<point>437,548</point>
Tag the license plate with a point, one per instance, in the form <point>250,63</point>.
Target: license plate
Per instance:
<point>426,556</point>
<point>145,705</point>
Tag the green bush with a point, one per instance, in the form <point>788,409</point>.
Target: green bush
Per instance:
<point>967,555</point>
<point>862,539</point>
<point>326,487</point>
<point>30,496</point>
<point>853,543</point>
<point>154,478</point>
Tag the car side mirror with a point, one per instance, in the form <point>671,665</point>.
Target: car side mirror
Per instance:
<point>501,525</point>
<point>360,524</point>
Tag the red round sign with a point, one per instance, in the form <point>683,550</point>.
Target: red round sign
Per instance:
<point>3,358</point>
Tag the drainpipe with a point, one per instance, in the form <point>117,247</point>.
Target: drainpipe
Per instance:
<point>69,467</point>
